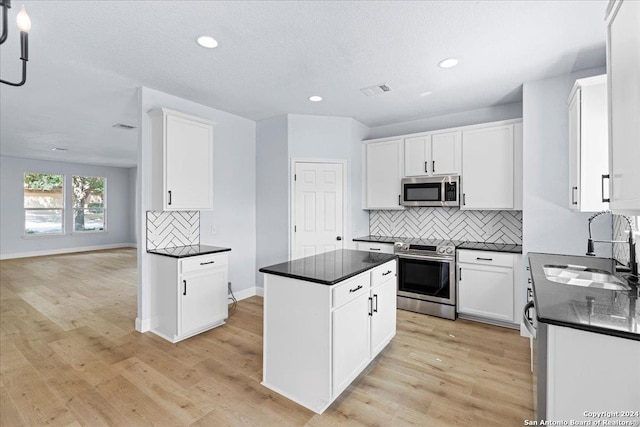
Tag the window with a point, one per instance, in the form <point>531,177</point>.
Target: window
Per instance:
<point>43,204</point>
<point>89,203</point>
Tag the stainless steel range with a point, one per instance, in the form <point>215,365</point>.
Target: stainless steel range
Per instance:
<point>427,278</point>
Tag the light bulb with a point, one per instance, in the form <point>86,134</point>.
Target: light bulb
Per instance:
<point>24,23</point>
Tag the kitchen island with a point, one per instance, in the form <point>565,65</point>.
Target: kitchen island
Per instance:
<point>325,318</point>
<point>587,340</point>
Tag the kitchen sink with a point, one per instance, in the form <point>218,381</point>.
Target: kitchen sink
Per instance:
<point>579,275</point>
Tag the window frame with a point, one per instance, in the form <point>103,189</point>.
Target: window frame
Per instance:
<point>72,229</point>
<point>63,209</point>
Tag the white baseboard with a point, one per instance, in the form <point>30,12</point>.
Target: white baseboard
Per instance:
<point>66,250</point>
<point>248,293</point>
<point>143,325</point>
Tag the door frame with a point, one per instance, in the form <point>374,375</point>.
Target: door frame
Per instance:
<point>346,223</point>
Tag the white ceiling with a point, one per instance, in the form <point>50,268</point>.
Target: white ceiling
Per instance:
<point>88,57</point>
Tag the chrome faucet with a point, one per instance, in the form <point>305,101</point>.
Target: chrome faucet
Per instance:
<point>633,265</point>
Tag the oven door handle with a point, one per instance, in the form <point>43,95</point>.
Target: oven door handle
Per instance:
<point>525,319</point>
<point>428,258</point>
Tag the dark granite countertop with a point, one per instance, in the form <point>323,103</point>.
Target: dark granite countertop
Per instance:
<point>187,251</point>
<point>476,246</point>
<point>604,311</point>
<point>329,268</point>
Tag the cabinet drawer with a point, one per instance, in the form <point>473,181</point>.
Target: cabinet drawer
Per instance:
<point>350,289</point>
<point>485,258</point>
<point>382,273</point>
<point>203,262</point>
<point>385,248</point>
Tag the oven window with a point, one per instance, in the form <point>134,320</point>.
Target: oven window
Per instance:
<point>424,277</point>
<point>422,192</point>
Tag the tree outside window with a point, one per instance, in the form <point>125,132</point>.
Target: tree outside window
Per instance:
<point>43,204</point>
<point>89,203</point>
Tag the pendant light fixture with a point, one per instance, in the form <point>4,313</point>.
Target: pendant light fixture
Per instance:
<point>24,25</point>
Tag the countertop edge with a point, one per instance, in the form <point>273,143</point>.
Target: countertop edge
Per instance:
<point>189,255</point>
<point>266,270</point>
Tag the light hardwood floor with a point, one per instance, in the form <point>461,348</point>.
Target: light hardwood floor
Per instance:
<point>69,356</point>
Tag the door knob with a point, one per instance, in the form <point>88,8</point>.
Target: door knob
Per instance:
<point>338,238</point>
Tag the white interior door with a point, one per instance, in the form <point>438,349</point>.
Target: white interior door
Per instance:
<point>318,208</point>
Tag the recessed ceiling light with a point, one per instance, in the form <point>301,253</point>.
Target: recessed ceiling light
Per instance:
<point>207,41</point>
<point>59,149</point>
<point>448,63</point>
<point>426,93</point>
<point>315,98</point>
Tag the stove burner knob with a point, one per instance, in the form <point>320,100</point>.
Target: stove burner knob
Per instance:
<point>449,250</point>
<point>441,250</point>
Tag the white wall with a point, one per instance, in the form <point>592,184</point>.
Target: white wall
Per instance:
<point>12,241</point>
<point>234,192</point>
<point>548,224</point>
<point>272,195</point>
<point>464,118</point>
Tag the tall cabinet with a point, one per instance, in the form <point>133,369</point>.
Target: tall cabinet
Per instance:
<point>492,167</point>
<point>383,171</point>
<point>588,147</point>
<point>623,69</point>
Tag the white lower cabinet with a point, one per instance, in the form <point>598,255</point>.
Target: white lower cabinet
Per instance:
<point>188,295</point>
<point>351,354</point>
<point>383,318</point>
<point>486,286</point>
<point>319,338</point>
<point>587,372</point>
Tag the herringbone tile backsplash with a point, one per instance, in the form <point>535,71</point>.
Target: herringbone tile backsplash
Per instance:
<point>449,224</point>
<point>171,229</point>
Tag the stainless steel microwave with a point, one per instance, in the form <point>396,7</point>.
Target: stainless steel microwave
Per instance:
<point>431,191</point>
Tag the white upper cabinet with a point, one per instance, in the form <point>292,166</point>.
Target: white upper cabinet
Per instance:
<point>182,161</point>
<point>588,148</point>
<point>623,69</point>
<point>491,172</point>
<point>383,171</point>
<point>433,154</point>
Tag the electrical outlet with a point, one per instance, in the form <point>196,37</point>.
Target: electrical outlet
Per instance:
<point>214,229</point>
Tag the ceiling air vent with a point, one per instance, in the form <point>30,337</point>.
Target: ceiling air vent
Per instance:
<point>123,126</point>
<point>376,89</point>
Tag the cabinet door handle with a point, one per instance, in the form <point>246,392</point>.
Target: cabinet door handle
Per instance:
<point>388,272</point>
<point>608,199</point>
<point>399,204</point>
<point>374,249</point>
<point>484,259</point>
<point>208,262</point>
<point>169,197</point>
<point>573,194</point>
<point>370,306</point>
<point>433,166</point>
<point>459,273</point>
<point>375,310</point>
<point>426,167</point>
<point>185,287</point>
<point>356,289</point>
<point>464,199</point>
